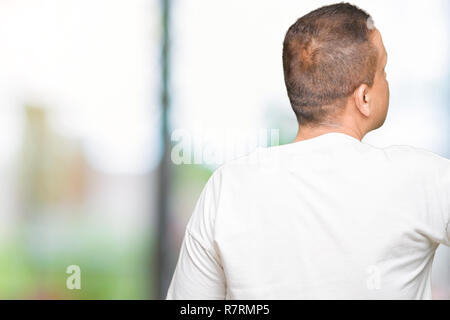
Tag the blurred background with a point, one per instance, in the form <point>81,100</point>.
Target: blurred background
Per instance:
<point>99,99</point>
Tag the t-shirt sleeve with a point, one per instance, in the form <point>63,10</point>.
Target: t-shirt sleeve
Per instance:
<point>435,175</point>
<point>446,201</point>
<point>199,274</point>
<point>438,196</point>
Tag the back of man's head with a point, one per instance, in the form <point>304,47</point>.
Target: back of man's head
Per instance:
<point>327,54</point>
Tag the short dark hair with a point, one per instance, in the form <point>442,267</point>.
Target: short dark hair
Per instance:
<point>327,54</point>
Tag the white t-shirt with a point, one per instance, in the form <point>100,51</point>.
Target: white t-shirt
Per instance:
<point>326,218</point>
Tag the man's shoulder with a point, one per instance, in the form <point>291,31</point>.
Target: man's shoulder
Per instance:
<point>240,164</point>
<point>416,158</point>
<point>257,162</point>
<point>412,152</point>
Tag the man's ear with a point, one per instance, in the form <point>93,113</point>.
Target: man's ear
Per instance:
<point>362,99</point>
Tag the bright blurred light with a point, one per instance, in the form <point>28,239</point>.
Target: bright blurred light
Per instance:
<point>94,65</point>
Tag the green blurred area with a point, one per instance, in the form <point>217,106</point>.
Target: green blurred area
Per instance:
<point>107,271</point>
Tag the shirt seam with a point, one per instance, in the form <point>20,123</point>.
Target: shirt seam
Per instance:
<point>191,234</point>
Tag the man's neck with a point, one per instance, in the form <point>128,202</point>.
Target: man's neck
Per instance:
<point>305,133</point>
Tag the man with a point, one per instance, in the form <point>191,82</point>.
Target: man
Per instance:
<point>327,216</point>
